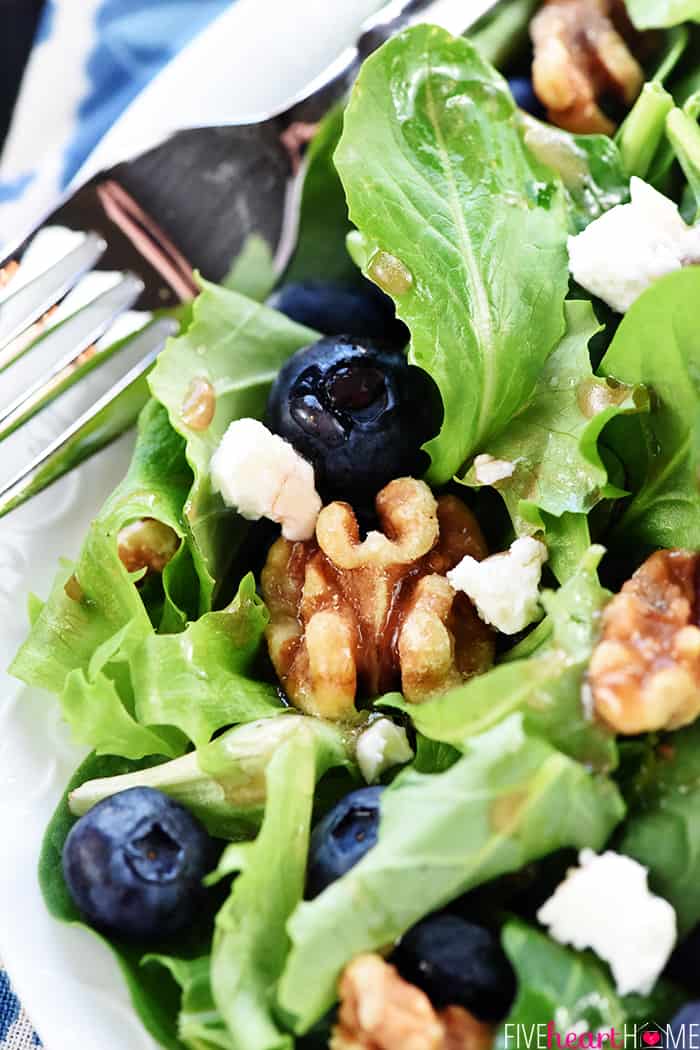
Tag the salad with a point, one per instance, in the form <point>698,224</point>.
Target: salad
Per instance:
<point>387,647</point>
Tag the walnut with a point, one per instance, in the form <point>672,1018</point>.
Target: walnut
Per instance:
<point>463,1031</point>
<point>645,671</point>
<point>146,544</point>
<point>381,1011</point>
<point>579,56</point>
<point>348,614</point>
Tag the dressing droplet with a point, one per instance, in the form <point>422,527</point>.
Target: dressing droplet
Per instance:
<point>390,273</point>
<point>73,589</point>
<point>199,405</point>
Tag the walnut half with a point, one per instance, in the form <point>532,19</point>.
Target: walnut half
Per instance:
<point>350,615</point>
<point>147,544</point>
<point>381,1011</point>
<point>645,671</point>
<point>580,55</point>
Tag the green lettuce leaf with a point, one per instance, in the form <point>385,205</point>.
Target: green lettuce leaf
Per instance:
<point>656,344</point>
<point>663,831</point>
<point>590,168</point>
<point>253,272</point>
<point>553,442</point>
<point>100,718</point>
<point>461,225</point>
<point>250,941</point>
<point>502,31</point>
<point>223,782</point>
<point>199,1024</point>
<point>546,688</point>
<point>652,14</point>
<point>237,346</point>
<point>96,601</point>
<point>569,987</point>
<point>201,680</point>
<point>323,217</point>
<point>510,799</point>
<point>556,982</point>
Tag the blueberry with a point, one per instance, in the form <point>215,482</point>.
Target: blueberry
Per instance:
<point>332,309</point>
<point>343,837</point>
<point>524,95</point>
<point>359,412</point>
<point>459,963</point>
<point>134,864</point>
<point>680,1025</point>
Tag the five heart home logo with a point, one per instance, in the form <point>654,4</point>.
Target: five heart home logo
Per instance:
<point>651,1036</point>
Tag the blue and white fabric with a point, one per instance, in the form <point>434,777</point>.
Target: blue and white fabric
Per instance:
<point>16,1032</point>
<point>90,59</point>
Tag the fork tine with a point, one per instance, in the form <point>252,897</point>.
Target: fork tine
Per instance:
<point>77,333</point>
<point>109,417</point>
<point>32,300</point>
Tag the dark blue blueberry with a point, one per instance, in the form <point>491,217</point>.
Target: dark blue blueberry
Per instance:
<point>332,309</point>
<point>134,864</point>
<point>358,412</point>
<point>459,963</point>
<point>683,1034</point>
<point>524,94</point>
<point>342,838</point>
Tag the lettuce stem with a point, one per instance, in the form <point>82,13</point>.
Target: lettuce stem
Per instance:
<point>499,35</point>
<point>684,135</point>
<point>642,132</point>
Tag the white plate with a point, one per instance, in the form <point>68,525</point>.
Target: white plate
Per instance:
<point>69,984</point>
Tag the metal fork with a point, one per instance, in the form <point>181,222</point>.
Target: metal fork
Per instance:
<point>210,188</point>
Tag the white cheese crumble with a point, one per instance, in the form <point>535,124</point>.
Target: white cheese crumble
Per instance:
<point>605,904</point>
<point>504,587</point>
<point>488,470</point>
<point>381,746</point>
<point>620,254</point>
<point>262,476</point>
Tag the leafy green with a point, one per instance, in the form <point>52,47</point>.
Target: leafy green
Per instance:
<point>651,14</point>
<point>574,989</point>
<point>199,1024</point>
<point>643,129</point>
<point>684,136</point>
<point>201,680</point>
<point>590,168</point>
<point>553,442</point>
<point>98,716</point>
<point>223,782</point>
<point>251,942</point>
<point>545,688</point>
<point>96,601</point>
<point>500,33</point>
<point>663,832</point>
<point>510,799</point>
<point>462,226</point>
<point>253,271</point>
<point>556,982</point>
<point>323,216</point>
<point>237,346</point>
<point>656,344</point>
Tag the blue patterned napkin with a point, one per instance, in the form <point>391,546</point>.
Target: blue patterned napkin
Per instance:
<point>16,1032</point>
<point>90,59</point>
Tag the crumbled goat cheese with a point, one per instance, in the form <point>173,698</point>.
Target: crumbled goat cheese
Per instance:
<point>620,254</point>
<point>262,476</point>
<point>605,904</point>
<point>504,587</point>
<point>489,470</point>
<point>381,746</point>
